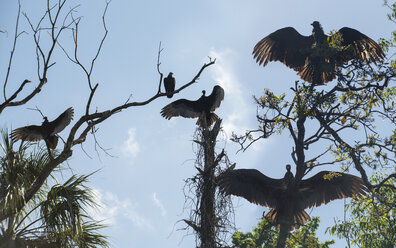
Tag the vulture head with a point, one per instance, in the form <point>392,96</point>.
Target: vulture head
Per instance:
<point>289,177</point>
<point>287,198</point>
<point>204,107</point>
<point>301,54</point>
<point>316,24</point>
<point>47,130</point>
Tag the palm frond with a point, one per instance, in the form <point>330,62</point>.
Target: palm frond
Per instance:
<point>56,216</point>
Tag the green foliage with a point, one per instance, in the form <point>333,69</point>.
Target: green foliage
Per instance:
<point>265,235</point>
<point>356,106</point>
<point>276,104</point>
<point>331,49</point>
<point>279,111</point>
<point>64,216</point>
<point>306,236</point>
<point>261,236</point>
<point>372,220</point>
<point>17,171</point>
<point>55,216</point>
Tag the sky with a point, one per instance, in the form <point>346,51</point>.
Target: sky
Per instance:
<point>140,183</point>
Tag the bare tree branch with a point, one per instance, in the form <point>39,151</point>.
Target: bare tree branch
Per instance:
<point>43,57</point>
<point>12,55</point>
<point>87,122</point>
<point>158,67</point>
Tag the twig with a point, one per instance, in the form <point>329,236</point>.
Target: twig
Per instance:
<point>158,67</point>
<point>12,52</point>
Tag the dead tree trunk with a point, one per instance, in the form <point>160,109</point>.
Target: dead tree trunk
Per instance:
<point>207,207</point>
<point>209,217</point>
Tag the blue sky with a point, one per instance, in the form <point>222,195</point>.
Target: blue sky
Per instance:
<point>140,185</point>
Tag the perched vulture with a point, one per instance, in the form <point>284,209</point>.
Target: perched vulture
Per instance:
<point>169,83</point>
<point>286,197</point>
<point>316,57</point>
<point>46,131</point>
<point>203,107</point>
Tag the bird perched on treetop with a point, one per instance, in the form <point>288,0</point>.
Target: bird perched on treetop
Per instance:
<point>287,197</point>
<point>203,107</point>
<point>46,131</point>
<point>316,57</point>
<point>169,83</point>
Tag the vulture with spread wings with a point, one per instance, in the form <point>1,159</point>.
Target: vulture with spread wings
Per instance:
<point>203,107</point>
<point>46,131</point>
<point>317,57</point>
<point>286,197</point>
<point>169,83</point>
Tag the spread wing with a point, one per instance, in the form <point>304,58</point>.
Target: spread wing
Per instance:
<point>216,97</point>
<point>62,121</point>
<point>327,186</point>
<point>181,107</point>
<point>28,133</point>
<point>364,48</point>
<point>252,185</point>
<point>285,45</point>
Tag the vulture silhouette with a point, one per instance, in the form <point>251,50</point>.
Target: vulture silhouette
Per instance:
<point>169,83</point>
<point>316,57</point>
<point>46,131</point>
<point>203,107</point>
<point>286,197</point>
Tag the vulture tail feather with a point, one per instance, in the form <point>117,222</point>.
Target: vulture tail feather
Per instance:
<point>299,218</point>
<point>52,141</point>
<point>169,94</point>
<point>210,119</point>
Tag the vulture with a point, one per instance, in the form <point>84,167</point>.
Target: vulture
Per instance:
<point>201,108</point>
<point>316,57</point>
<point>286,197</point>
<point>169,83</point>
<point>46,131</point>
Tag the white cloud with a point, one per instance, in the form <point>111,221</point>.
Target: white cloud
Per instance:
<point>112,209</point>
<point>137,219</point>
<point>102,213</point>
<point>235,99</point>
<point>159,204</point>
<point>223,72</point>
<point>131,146</point>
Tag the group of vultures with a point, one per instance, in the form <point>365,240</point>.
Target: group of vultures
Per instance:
<point>315,59</point>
